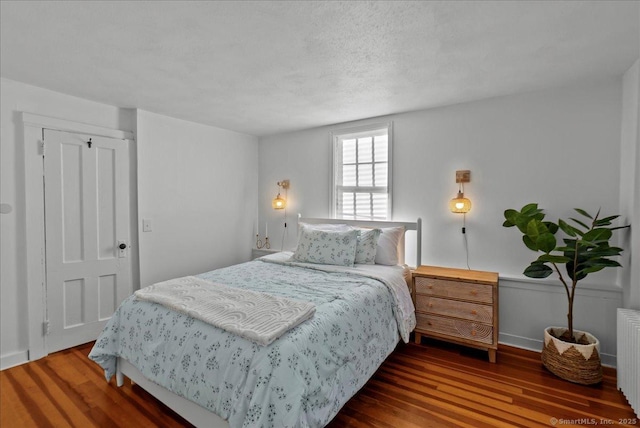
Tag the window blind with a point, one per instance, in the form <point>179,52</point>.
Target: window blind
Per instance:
<point>361,174</point>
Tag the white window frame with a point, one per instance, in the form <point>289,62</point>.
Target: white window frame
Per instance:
<point>359,132</point>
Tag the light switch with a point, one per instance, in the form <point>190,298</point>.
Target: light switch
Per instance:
<point>147,225</point>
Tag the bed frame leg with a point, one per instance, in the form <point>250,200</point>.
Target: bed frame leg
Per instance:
<point>119,375</point>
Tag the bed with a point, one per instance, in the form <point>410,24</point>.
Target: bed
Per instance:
<point>215,378</point>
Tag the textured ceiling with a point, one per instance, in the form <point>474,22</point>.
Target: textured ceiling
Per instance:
<point>268,67</point>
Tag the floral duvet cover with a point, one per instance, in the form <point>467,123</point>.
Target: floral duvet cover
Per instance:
<point>300,380</point>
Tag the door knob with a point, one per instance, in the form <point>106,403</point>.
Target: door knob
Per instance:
<point>122,246</point>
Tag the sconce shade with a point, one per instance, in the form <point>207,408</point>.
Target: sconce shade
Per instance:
<point>279,203</point>
<point>460,204</point>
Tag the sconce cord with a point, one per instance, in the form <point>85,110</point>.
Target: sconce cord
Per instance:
<point>464,235</point>
<point>284,231</point>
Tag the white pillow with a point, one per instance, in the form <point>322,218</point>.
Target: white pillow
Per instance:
<point>367,246</point>
<point>387,252</point>
<point>326,247</point>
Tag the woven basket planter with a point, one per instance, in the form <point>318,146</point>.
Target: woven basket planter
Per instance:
<point>571,361</point>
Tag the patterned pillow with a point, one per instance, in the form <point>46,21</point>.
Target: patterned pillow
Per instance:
<point>326,247</point>
<point>367,246</point>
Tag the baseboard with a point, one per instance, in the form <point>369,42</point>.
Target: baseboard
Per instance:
<point>14,359</point>
<point>520,342</point>
<point>529,344</point>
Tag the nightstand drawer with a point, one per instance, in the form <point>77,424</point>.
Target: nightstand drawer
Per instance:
<point>455,328</point>
<point>454,308</point>
<point>454,289</point>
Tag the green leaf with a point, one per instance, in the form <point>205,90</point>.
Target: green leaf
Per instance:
<point>619,227</point>
<point>586,245</point>
<point>510,216</point>
<point>553,228</point>
<point>579,275</point>
<point>538,270</point>
<point>530,209</point>
<point>550,258</point>
<point>536,228</point>
<point>603,262</point>
<point>521,223</point>
<point>529,243</point>
<point>589,270</point>
<point>566,228</point>
<point>546,242</point>
<point>580,223</point>
<point>605,251</point>
<point>583,212</point>
<point>605,221</point>
<point>596,235</point>
<point>510,213</point>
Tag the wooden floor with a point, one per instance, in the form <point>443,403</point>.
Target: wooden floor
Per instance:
<point>433,385</point>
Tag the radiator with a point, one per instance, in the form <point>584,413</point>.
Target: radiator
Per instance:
<point>628,358</point>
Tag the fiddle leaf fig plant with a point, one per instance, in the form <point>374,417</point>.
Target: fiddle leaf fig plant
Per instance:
<point>583,250</point>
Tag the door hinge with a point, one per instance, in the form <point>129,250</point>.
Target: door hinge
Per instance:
<point>46,328</point>
<point>42,148</point>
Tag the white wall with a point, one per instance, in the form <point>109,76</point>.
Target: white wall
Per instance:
<point>559,147</point>
<point>630,184</point>
<point>198,185</point>
<point>15,98</point>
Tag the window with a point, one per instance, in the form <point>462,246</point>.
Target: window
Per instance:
<point>361,173</point>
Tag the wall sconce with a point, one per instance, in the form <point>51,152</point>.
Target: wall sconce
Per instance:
<point>280,203</point>
<point>460,204</point>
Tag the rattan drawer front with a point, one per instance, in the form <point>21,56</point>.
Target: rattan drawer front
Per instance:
<point>454,308</point>
<point>456,328</point>
<point>454,289</point>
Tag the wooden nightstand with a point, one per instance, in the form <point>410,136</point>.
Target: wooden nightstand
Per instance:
<point>457,305</point>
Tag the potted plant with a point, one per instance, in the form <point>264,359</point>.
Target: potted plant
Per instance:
<point>570,354</point>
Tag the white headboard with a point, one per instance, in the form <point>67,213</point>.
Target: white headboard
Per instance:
<point>416,225</point>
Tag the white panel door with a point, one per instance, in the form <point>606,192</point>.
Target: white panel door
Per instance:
<point>87,223</point>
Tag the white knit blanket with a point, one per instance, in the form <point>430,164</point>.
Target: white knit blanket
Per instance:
<point>258,317</point>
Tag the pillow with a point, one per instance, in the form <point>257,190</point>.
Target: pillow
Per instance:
<point>367,246</point>
<point>326,247</point>
<point>387,252</point>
